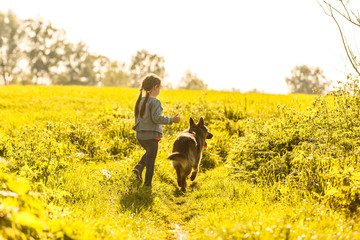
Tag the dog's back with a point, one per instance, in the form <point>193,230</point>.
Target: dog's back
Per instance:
<point>184,144</point>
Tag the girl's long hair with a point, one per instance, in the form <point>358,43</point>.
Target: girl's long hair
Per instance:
<point>147,84</point>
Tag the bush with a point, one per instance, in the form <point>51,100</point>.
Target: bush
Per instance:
<point>314,151</point>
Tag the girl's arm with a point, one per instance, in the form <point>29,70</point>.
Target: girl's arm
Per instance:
<point>156,114</point>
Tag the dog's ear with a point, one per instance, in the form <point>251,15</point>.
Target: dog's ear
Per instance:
<point>192,123</point>
<point>201,122</point>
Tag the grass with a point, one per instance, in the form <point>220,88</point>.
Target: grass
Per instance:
<point>277,168</point>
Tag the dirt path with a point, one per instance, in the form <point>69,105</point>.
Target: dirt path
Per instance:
<point>179,232</point>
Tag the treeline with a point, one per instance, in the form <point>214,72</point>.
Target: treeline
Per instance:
<point>34,52</point>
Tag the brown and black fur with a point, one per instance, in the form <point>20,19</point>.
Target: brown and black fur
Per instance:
<point>187,151</point>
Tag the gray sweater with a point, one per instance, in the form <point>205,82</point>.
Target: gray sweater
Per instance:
<point>152,120</point>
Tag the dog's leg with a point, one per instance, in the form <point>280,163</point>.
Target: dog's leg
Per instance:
<point>183,184</point>
<point>193,175</point>
<point>178,173</point>
<point>183,180</point>
<point>196,168</point>
<point>184,175</point>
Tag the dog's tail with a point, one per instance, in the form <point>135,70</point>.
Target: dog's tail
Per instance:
<point>176,156</point>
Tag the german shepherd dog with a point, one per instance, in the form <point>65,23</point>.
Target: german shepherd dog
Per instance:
<point>187,151</point>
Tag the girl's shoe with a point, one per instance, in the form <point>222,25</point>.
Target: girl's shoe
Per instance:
<point>137,174</point>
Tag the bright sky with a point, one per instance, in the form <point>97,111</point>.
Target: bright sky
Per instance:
<point>227,43</point>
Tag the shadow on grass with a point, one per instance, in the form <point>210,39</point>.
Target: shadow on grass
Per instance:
<point>137,198</point>
<point>178,193</point>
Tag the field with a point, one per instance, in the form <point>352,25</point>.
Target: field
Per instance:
<point>278,167</point>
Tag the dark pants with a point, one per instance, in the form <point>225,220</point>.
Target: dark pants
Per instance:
<point>148,159</point>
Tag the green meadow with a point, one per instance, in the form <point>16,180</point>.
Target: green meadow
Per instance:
<point>278,166</point>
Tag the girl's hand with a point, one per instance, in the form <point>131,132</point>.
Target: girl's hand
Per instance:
<point>176,119</point>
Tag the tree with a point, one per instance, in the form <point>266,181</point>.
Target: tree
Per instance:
<point>44,47</point>
<point>116,76</point>
<point>92,69</point>
<point>306,79</point>
<point>11,36</point>
<point>191,81</point>
<point>76,66</point>
<point>144,63</point>
<point>343,15</point>
<point>101,65</point>
<point>255,90</point>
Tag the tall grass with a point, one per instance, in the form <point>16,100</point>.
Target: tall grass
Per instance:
<point>278,167</point>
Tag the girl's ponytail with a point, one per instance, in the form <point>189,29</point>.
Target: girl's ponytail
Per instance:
<point>143,106</point>
<point>138,103</point>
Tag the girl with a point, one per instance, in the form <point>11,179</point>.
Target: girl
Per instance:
<point>148,126</point>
